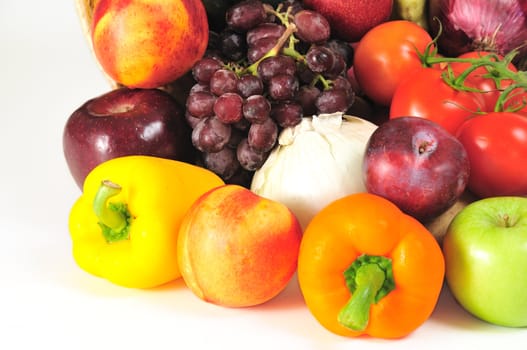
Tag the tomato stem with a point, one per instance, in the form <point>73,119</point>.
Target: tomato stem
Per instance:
<point>113,217</point>
<point>369,279</point>
<point>509,93</point>
<point>497,69</point>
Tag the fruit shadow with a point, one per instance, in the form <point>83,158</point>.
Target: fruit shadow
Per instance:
<point>450,314</point>
<point>286,312</point>
<point>290,298</point>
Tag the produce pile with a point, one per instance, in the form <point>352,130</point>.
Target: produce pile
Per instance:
<point>375,149</point>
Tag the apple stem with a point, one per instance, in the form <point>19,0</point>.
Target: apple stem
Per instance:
<point>369,279</point>
<point>423,147</point>
<point>114,218</point>
<point>507,220</point>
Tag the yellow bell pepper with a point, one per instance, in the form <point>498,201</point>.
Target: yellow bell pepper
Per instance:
<point>124,226</point>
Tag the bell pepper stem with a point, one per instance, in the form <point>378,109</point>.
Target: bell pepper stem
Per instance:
<point>113,218</point>
<point>356,313</point>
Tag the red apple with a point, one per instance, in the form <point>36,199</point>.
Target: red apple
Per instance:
<point>351,19</point>
<point>417,164</point>
<point>125,122</point>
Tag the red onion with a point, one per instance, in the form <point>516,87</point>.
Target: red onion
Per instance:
<point>489,25</point>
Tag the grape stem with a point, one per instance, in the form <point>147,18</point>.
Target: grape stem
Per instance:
<point>290,29</point>
<point>326,84</point>
<point>289,50</point>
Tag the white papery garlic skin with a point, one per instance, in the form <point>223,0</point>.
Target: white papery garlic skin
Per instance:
<point>315,163</point>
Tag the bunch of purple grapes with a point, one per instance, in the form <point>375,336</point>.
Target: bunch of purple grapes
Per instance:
<point>266,70</point>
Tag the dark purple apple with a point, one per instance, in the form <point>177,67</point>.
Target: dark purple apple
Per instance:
<point>416,164</point>
<point>125,122</point>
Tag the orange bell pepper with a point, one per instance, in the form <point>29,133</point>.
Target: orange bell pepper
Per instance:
<point>366,268</point>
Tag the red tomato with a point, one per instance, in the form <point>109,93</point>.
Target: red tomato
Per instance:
<point>478,80</point>
<point>424,94</point>
<point>387,54</point>
<point>496,144</point>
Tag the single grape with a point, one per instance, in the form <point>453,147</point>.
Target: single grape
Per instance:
<point>228,107</point>
<point>210,135</point>
<point>312,27</point>
<point>280,64</point>
<point>260,48</point>
<point>233,45</point>
<point>249,85</point>
<point>223,81</point>
<point>306,97</point>
<point>320,59</point>
<point>256,109</point>
<point>287,113</point>
<point>200,104</point>
<point>342,82</point>
<point>199,87</point>
<point>262,137</point>
<point>334,100</point>
<point>191,120</point>
<point>203,69</point>
<point>283,87</point>
<point>249,158</point>
<point>245,15</point>
<point>342,48</point>
<point>264,31</point>
<point>224,163</point>
<point>338,68</point>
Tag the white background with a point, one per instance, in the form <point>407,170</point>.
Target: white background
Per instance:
<point>46,72</point>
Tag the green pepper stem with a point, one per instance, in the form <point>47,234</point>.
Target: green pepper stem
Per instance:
<point>113,218</point>
<point>369,279</point>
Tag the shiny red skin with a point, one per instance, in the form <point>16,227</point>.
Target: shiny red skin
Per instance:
<point>350,20</point>
<point>417,165</point>
<point>386,55</point>
<point>424,94</point>
<point>125,122</point>
<point>496,144</point>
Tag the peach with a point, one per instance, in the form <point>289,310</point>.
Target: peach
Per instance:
<point>237,249</point>
<point>148,43</point>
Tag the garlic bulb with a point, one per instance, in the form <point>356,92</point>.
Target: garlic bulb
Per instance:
<point>315,163</point>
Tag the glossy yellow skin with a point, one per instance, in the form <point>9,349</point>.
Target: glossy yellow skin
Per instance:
<point>158,192</point>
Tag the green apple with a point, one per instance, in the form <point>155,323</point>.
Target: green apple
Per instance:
<point>485,250</point>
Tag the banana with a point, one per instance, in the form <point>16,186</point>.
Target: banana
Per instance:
<point>411,10</point>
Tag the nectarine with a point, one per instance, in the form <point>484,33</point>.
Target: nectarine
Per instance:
<point>238,249</point>
<point>148,43</point>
